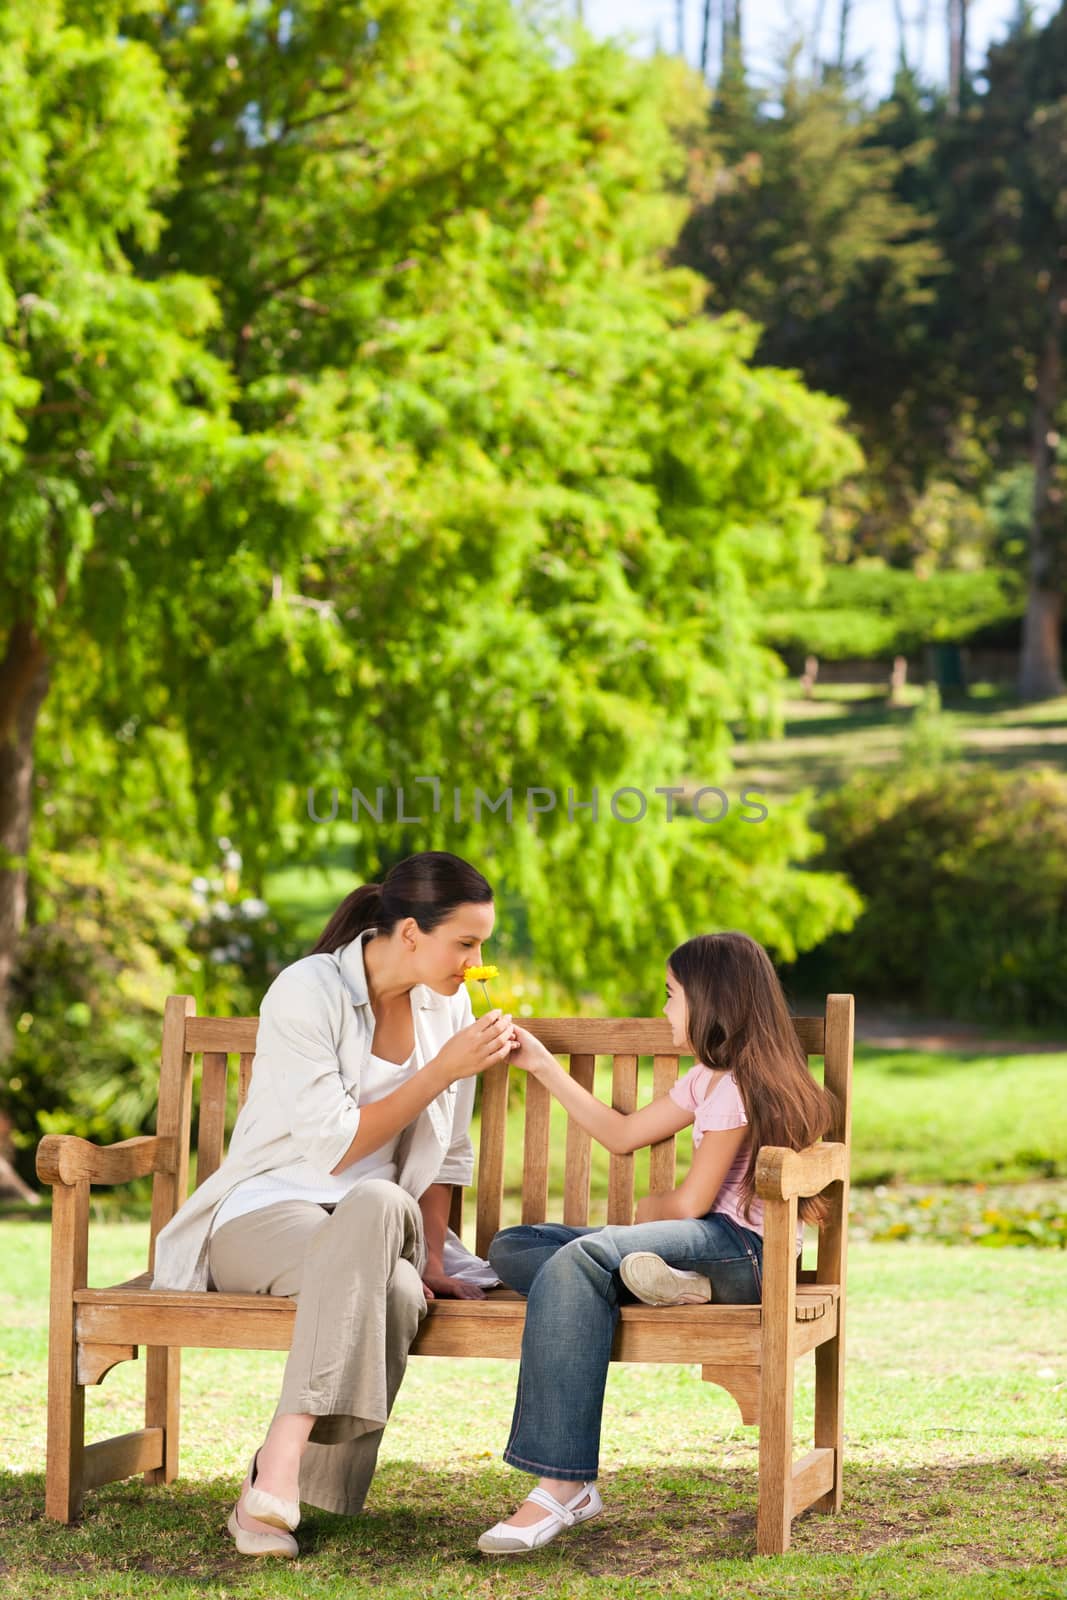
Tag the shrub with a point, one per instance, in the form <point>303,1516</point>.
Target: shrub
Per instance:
<point>964,875</point>
<point>107,941</point>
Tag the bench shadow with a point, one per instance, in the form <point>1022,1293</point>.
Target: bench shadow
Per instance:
<point>656,1522</point>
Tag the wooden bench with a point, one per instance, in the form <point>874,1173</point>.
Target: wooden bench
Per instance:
<point>750,1350</point>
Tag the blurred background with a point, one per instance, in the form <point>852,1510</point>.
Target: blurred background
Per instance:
<point>532,397</point>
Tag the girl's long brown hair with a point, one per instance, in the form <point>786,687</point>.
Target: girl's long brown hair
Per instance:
<point>739,1022</point>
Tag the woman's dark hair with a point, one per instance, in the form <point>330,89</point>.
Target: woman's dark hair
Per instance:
<point>428,886</point>
<point>739,1022</point>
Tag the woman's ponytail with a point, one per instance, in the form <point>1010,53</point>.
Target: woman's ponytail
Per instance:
<point>358,911</point>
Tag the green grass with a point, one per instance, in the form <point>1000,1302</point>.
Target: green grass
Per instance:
<point>850,726</point>
<point>958,1117</point>
<point>955,1478</point>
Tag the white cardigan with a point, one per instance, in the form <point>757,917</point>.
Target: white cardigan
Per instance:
<point>302,1111</point>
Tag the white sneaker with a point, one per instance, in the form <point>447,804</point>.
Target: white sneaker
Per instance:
<point>503,1539</point>
<point>650,1278</point>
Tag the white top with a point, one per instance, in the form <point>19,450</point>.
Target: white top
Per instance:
<point>316,1026</point>
<point>379,1078</point>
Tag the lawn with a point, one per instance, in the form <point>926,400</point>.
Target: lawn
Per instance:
<point>957,1460</point>
<point>956,1387</point>
<point>845,727</point>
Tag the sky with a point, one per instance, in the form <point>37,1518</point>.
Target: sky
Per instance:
<point>872,31</point>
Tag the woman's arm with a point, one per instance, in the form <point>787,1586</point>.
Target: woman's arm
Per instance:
<point>618,1131</point>
<point>470,1051</point>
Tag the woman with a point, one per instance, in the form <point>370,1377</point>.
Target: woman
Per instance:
<point>337,1183</point>
<point>750,1087</point>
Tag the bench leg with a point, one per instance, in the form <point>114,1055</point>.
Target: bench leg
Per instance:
<point>830,1409</point>
<point>163,1367</point>
<point>777,1376</point>
<point>65,1467</point>
<point>774,1513</point>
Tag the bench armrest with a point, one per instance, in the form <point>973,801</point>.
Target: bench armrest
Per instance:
<point>782,1173</point>
<point>64,1158</point>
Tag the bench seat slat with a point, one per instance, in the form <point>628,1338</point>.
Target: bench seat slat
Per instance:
<point>136,1292</point>
<point>491,1327</point>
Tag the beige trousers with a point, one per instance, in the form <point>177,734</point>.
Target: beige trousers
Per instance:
<point>355,1273</point>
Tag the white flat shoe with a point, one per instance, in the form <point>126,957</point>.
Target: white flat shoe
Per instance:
<point>502,1539</point>
<point>650,1278</point>
<point>253,1542</point>
<point>284,1514</point>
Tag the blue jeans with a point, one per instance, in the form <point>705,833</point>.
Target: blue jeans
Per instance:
<point>570,1277</point>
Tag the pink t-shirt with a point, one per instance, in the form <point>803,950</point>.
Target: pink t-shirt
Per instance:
<point>723,1108</point>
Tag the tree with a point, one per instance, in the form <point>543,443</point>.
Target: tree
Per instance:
<point>807,233</point>
<point>1003,223</point>
<point>957,53</point>
<point>447,476</point>
<point>96,368</point>
<point>877,611</point>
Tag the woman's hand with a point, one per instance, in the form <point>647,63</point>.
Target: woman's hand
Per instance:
<point>481,1044</point>
<point>530,1053</point>
<point>438,1285</point>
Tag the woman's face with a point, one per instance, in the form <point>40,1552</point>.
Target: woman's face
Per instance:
<point>676,1012</point>
<point>454,945</point>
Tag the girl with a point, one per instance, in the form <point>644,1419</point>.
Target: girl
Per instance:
<point>337,1182</point>
<point>750,1087</point>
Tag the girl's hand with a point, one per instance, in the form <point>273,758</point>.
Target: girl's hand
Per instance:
<point>530,1054</point>
<point>436,1284</point>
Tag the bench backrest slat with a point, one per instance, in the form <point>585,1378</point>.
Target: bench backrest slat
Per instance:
<point>663,1157</point>
<point>211,1128</point>
<point>494,1088</point>
<point>536,1143</point>
<point>837,1076</point>
<point>621,1168</point>
<point>173,1114</point>
<point>576,1172</point>
<point>244,1076</point>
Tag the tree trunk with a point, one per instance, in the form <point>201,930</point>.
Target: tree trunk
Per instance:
<point>1041,665</point>
<point>732,54</point>
<point>957,52</point>
<point>924,34</point>
<point>24,676</point>
<point>705,39</point>
<point>902,36</point>
<point>842,34</point>
<point>898,679</point>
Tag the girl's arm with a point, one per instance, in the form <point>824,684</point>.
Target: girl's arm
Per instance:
<point>695,1195</point>
<point>618,1131</point>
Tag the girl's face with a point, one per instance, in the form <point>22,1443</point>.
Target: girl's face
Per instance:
<point>443,956</point>
<point>676,1012</point>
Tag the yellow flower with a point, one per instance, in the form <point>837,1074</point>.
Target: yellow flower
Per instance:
<point>481,974</point>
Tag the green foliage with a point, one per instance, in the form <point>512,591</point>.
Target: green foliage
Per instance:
<point>908,260</point>
<point>874,610</point>
<point>374,439</point>
<point>964,878</point>
<point>930,740</point>
<point>804,217</point>
<point>111,935</point>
